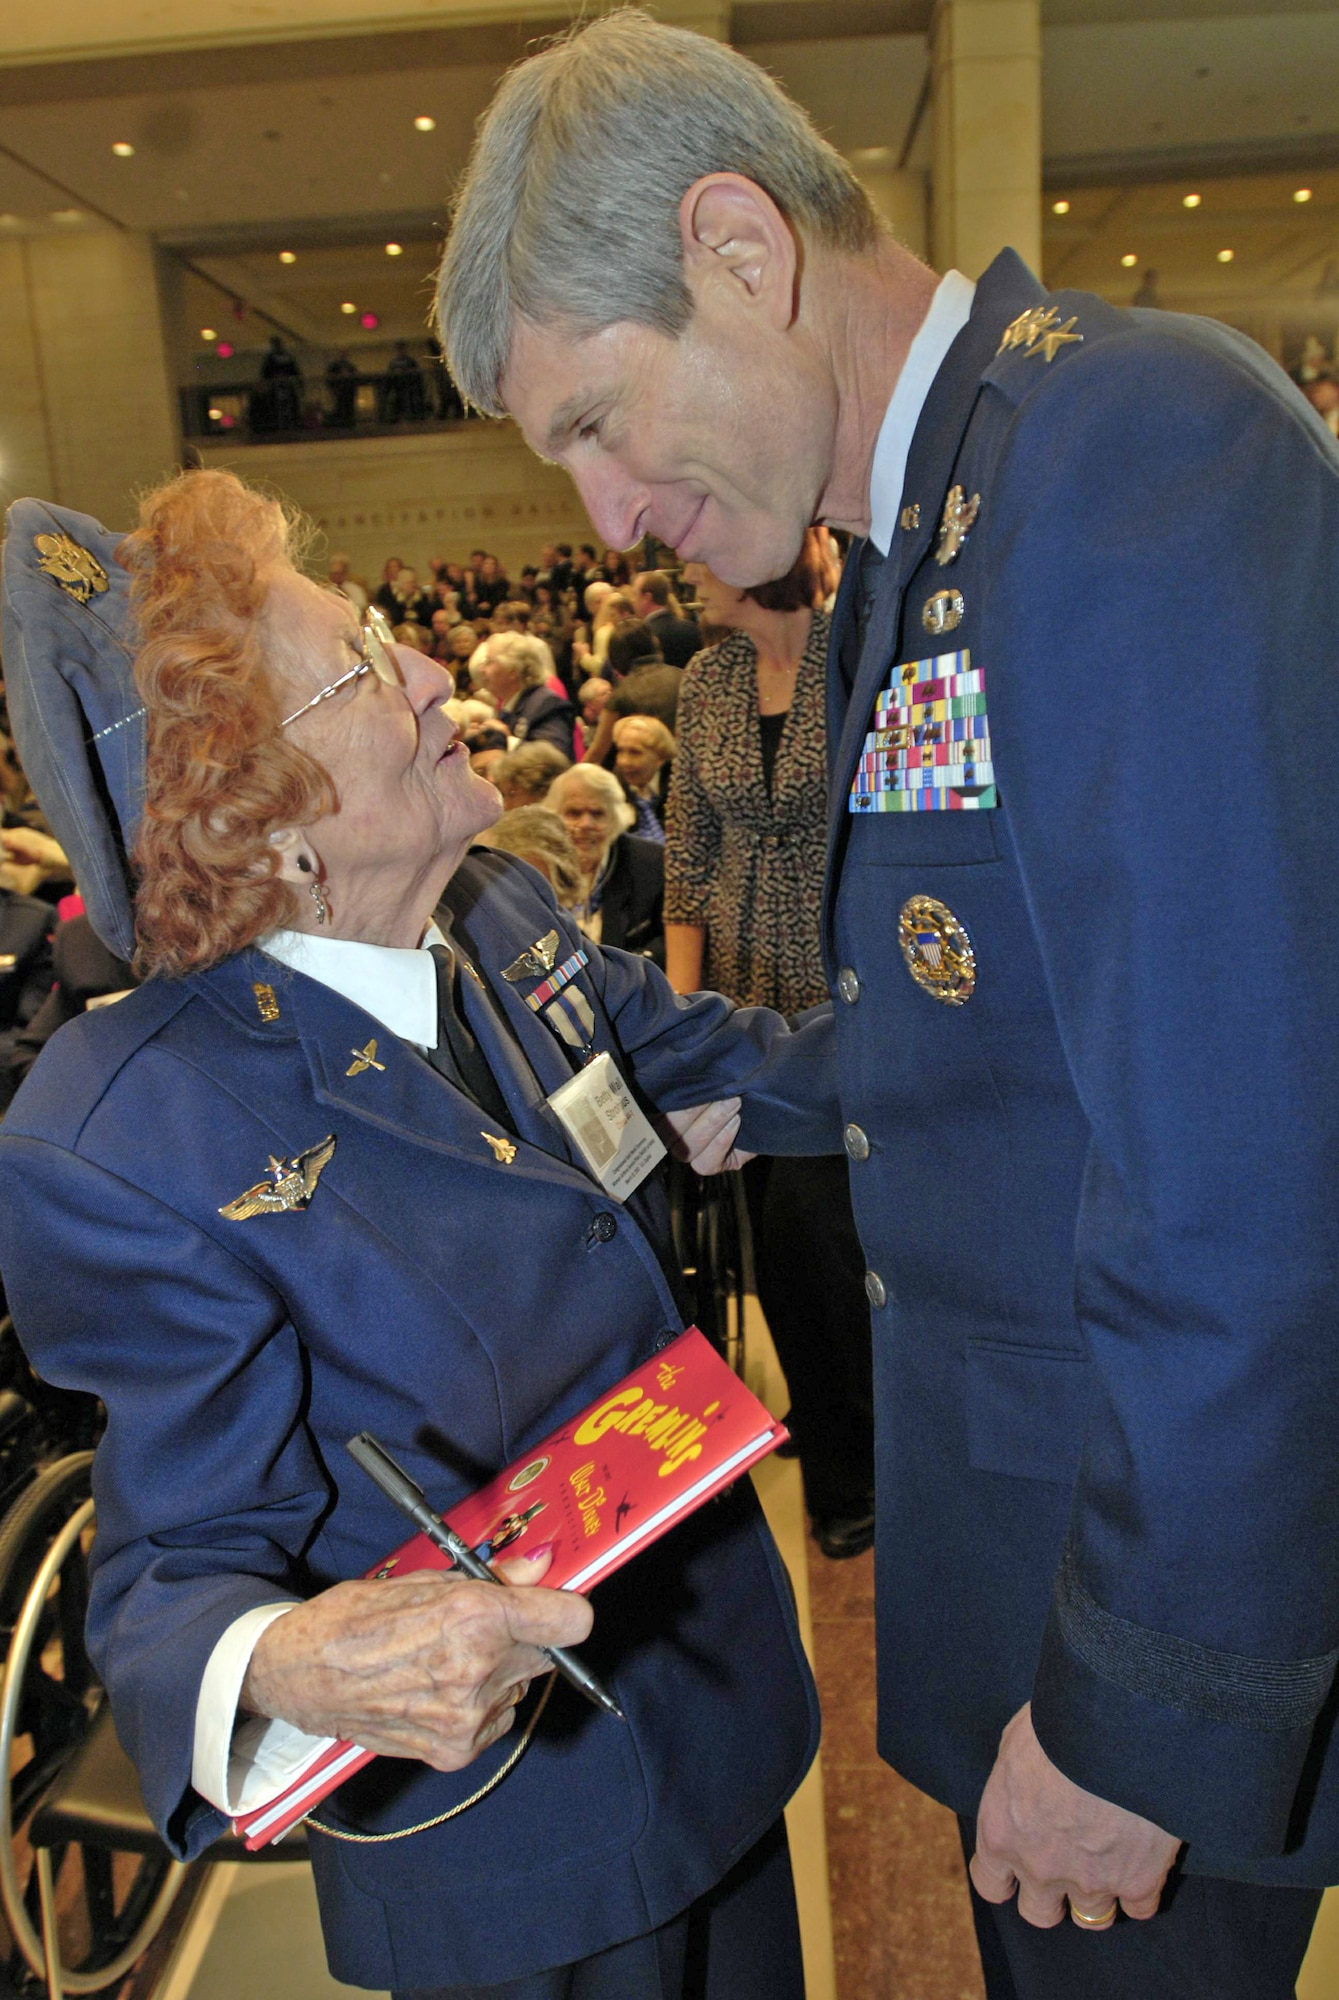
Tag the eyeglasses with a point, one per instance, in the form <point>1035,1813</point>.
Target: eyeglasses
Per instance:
<point>376,658</point>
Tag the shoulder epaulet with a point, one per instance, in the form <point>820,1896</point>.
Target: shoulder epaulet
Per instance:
<point>1065,324</point>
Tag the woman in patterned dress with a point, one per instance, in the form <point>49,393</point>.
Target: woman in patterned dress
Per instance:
<point>746,832</point>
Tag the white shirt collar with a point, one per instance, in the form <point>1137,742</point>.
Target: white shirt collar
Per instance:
<point>950,310</point>
<point>397,987</point>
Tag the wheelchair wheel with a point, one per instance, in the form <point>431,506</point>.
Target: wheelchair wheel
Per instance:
<point>109,1905</point>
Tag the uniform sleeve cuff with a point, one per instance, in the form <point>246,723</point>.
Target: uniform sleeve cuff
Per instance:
<point>240,1765</point>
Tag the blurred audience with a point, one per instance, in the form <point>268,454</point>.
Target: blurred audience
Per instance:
<point>538,836</point>
<point>622,901</point>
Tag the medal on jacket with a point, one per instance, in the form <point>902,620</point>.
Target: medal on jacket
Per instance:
<point>535,961</point>
<point>291,1184</point>
<point>937,950</point>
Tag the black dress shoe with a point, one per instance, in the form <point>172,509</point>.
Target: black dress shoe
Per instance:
<point>842,1535</point>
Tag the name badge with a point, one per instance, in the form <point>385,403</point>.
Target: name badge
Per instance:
<point>607,1127</point>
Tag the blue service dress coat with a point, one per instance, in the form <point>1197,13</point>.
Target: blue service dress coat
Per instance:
<point>1099,1195</point>
<point>456,1303</point>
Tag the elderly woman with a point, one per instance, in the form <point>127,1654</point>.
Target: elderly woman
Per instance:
<point>516,670</point>
<point>642,749</point>
<point>526,773</point>
<point>451,1278</point>
<point>624,895</point>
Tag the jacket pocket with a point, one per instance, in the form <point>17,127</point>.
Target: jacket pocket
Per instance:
<point>1027,1409</point>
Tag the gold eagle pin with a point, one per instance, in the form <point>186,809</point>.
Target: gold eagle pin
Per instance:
<point>937,950</point>
<point>955,524</point>
<point>535,963</point>
<point>365,1058</point>
<point>75,569</point>
<point>291,1185</point>
<point>503,1150</point>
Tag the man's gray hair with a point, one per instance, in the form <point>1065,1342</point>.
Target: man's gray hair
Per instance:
<point>568,214</point>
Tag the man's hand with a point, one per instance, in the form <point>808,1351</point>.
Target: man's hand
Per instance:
<point>1044,1836</point>
<point>416,1666</point>
<point>25,843</point>
<point>704,1136</point>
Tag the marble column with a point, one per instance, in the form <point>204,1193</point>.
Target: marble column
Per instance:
<point>986,111</point>
<point>88,409</point>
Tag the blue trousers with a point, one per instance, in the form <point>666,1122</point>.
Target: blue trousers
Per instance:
<point>741,1941</point>
<point>1211,1940</point>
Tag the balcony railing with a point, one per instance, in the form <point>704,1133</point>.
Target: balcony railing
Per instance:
<point>287,409</point>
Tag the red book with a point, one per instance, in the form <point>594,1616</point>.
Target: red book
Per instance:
<point>646,1453</point>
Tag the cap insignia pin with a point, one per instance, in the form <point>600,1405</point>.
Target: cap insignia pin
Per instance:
<point>266,1004</point>
<point>943,612</point>
<point>77,570</point>
<point>937,950</point>
<point>364,1059</point>
<point>541,958</point>
<point>503,1150</point>
<point>291,1185</point>
<point>955,524</point>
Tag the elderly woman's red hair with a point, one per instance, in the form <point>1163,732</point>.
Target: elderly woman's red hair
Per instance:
<point>220,776</point>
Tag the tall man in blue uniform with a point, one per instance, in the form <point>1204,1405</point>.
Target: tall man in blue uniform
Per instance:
<point>1083,941</point>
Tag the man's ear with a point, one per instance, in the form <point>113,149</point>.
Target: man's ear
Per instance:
<point>734,235</point>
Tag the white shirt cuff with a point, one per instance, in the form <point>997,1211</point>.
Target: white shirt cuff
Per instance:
<point>241,1764</point>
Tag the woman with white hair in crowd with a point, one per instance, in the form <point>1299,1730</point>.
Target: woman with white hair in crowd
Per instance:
<point>517,670</point>
<point>623,897</point>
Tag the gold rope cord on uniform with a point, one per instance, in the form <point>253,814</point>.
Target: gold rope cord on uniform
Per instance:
<point>425,1825</point>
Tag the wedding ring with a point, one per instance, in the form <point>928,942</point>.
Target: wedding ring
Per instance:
<point>1096,1922</point>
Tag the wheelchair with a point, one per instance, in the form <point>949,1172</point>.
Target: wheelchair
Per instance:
<point>712,1247</point>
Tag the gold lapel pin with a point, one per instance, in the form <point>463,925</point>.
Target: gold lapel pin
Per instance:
<point>910,518</point>
<point>291,1184</point>
<point>503,1150</point>
<point>943,612</point>
<point>364,1059</point>
<point>956,524</point>
<point>75,569</point>
<point>266,1004</point>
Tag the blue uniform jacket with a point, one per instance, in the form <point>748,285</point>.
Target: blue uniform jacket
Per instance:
<point>456,1305</point>
<point>1100,1197</point>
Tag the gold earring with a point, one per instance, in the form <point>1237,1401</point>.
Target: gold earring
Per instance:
<point>322,907</point>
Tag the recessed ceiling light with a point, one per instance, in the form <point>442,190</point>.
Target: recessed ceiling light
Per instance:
<point>215,414</point>
<point>1226,256</point>
<point>288,256</point>
<point>1059,208</point>
<point>1128,259</point>
<point>208,333</point>
<point>425,124</point>
<point>1301,194</point>
<point>122,149</point>
<point>348,306</point>
<point>1191,200</point>
<point>395,250</point>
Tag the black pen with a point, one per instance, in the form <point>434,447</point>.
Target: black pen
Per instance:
<point>396,1484</point>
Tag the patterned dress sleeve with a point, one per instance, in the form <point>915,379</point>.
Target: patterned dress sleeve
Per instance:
<point>692,825</point>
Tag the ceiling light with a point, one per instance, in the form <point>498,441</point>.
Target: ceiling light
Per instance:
<point>425,124</point>
<point>1128,259</point>
<point>348,306</point>
<point>1301,194</point>
<point>67,215</point>
<point>369,320</point>
<point>122,149</point>
<point>1226,256</point>
<point>208,333</point>
<point>288,256</point>
<point>225,348</point>
<point>395,250</point>
<point>1059,208</point>
<point>215,414</point>
<point>1191,200</point>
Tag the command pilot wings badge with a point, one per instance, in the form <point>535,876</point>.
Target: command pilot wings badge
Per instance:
<point>291,1185</point>
<point>535,962</point>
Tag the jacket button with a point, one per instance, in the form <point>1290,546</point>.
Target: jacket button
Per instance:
<point>875,1289</point>
<point>604,1228</point>
<point>855,1142</point>
<point>848,985</point>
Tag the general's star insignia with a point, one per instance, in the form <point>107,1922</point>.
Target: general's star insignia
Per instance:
<point>503,1150</point>
<point>75,569</point>
<point>291,1185</point>
<point>541,957</point>
<point>364,1059</point>
<point>1039,331</point>
<point>956,524</point>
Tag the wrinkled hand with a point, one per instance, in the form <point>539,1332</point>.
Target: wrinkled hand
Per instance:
<point>25,843</point>
<point>1041,1834</point>
<point>416,1666</point>
<point>704,1136</point>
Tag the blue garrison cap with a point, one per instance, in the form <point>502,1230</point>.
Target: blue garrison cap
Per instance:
<point>77,717</point>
